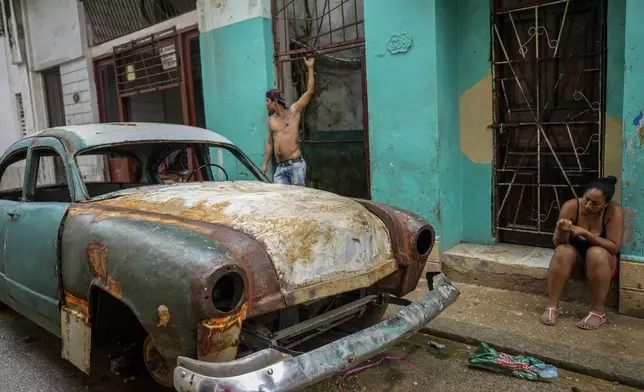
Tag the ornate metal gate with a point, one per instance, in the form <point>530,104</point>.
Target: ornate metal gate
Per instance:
<point>549,88</point>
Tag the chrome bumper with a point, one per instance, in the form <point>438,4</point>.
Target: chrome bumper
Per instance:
<point>269,370</point>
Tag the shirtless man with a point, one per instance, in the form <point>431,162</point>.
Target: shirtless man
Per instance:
<point>283,127</point>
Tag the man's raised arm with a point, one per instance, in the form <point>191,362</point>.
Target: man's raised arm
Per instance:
<point>268,149</point>
<point>310,87</point>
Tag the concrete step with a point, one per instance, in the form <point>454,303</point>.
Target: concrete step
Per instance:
<point>509,321</point>
<point>513,267</point>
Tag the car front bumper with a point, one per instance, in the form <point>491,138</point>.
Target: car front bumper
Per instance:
<point>269,370</point>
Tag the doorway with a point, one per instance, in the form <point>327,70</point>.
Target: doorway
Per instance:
<point>155,79</point>
<point>53,168</point>
<point>549,98</point>
<point>334,134</point>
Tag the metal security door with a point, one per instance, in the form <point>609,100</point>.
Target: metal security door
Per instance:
<point>549,88</point>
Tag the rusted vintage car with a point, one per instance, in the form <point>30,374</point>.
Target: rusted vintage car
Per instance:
<point>223,275</point>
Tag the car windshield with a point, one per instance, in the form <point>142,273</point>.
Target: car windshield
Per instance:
<point>111,168</point>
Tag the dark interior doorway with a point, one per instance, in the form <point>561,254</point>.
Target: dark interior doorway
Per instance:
<point>334,134</point>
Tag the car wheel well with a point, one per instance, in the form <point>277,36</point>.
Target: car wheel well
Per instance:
<point>112,319</point>
<point>117,336</point>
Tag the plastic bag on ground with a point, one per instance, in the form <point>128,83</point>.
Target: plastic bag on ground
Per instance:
<point>521,366</point>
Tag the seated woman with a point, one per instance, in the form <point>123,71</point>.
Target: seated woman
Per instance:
<point>589,231</point>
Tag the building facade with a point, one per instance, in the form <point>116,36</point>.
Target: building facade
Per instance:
<point>481,116</point>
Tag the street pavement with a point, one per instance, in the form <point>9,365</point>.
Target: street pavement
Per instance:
<point>510,320</point>
<point>30,362</point>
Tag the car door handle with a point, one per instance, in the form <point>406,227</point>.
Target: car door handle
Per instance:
<point>13,214</point>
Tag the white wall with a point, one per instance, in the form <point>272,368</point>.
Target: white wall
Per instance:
<point>56,35</point>
<point>74,77</point>
<point>220,13</point>
<point>9,132</point>
<point>13,80</point>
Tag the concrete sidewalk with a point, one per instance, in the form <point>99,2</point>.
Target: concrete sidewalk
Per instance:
<point>509,321</point>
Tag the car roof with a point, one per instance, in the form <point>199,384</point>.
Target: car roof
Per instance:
<point>81,137</point>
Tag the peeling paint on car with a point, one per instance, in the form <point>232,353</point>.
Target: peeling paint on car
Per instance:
<point>164,316</point>
<point>78,305</point>
<point>312,236</point>
<point>219,336</point>
<point>97,258</point>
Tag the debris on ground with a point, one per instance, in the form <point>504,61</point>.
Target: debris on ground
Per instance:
<point>365,367</point>
<point>436,345</point>
<point>521,366</point>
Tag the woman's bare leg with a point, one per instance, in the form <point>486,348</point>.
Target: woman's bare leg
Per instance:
<point>599,270</point>
<point>561,266</point>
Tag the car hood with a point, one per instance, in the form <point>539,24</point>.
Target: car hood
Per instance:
<point>320,243</point>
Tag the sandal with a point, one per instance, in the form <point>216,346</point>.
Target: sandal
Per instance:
<point>550,320</point>
<point>583,324</point>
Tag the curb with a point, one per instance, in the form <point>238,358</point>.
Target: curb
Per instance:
<point>623,379</point>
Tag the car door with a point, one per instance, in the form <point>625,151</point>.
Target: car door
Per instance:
<point>12,181</point>
<point>32,238</point>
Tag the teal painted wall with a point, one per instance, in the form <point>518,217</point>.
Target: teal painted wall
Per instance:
<point>449,151</point>
<point>633,151</point>
<point>237,68</point>
<point>403,101</point>
<point>613,140</point>
<point>473,66</point>
<point>414,134</point>
<point>615,32</point>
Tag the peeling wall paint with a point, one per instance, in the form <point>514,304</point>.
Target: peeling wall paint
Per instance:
<point>433,156</point>
<point>475,112</point>
<point>613,152</point>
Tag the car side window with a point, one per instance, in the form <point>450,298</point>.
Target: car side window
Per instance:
<point>51,178</point>
<point>13,176</point>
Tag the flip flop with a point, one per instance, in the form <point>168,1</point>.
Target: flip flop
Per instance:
<point>583,324</point>
<point>550,321</point>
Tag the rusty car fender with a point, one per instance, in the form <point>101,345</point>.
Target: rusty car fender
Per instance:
<point>407,231</point>
<point>163,268</point>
